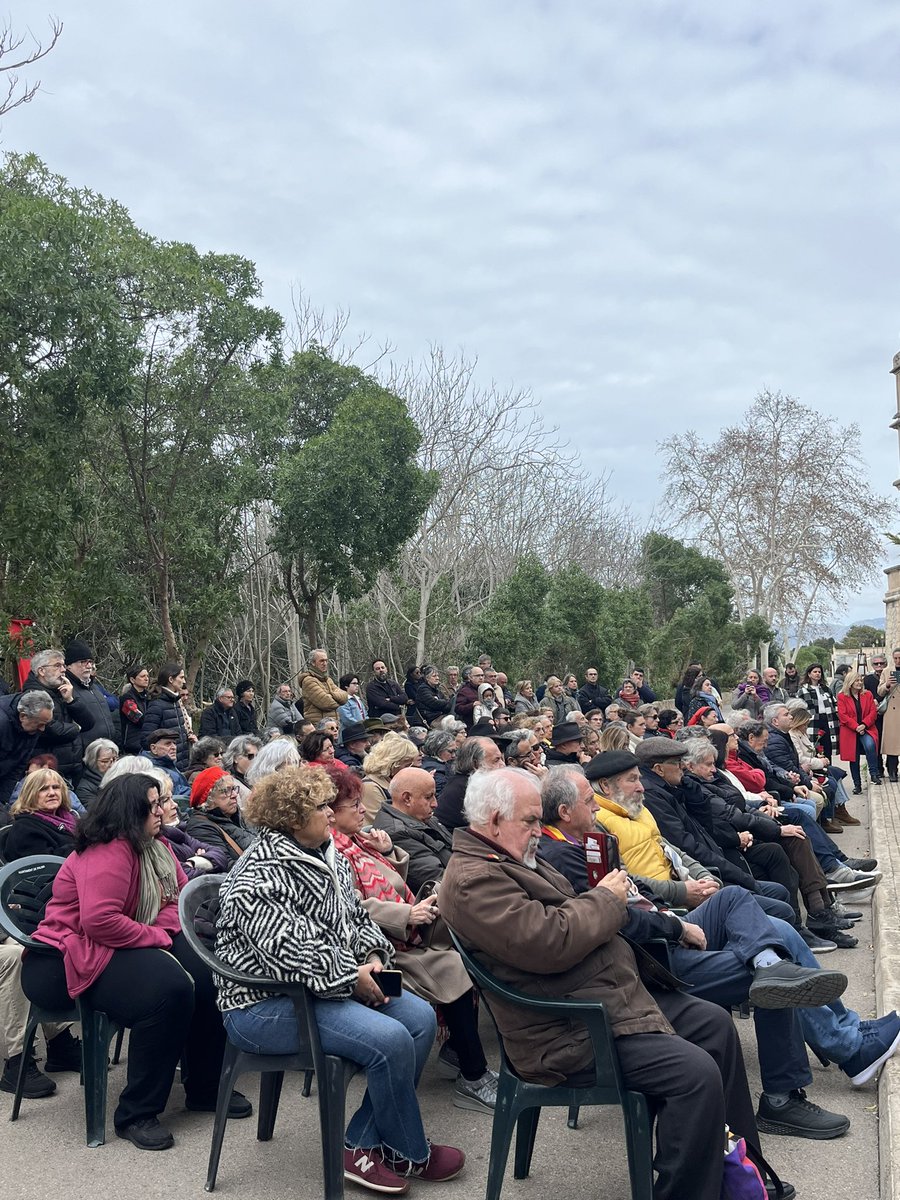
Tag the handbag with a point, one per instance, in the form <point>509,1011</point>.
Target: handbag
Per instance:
<point>883,706</point>
<point>740,1178</point>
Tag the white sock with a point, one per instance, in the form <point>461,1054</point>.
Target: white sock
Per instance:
<point>766,958</point>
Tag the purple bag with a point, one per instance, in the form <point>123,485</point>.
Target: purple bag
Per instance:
<point>740,1178</point>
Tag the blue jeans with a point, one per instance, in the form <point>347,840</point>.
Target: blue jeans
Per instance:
<point>865,744</point>
<point>391,1043</point>
<point>820,843</point>
<point>736,931</point>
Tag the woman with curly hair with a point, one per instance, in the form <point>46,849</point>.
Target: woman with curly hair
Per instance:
<point>290,911</point>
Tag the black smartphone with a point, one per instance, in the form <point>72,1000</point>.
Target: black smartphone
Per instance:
<point>390,982</point>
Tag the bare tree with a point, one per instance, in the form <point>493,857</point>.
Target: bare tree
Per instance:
<point>17,53</point>
<point>781,499</point>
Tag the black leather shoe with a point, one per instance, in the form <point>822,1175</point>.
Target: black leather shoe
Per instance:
<point>787,985</point>
<point>147,1134</point>
<point>800,1118</point>
<point>239,1107</point>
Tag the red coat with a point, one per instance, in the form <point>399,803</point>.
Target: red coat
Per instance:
<point>849,746</point>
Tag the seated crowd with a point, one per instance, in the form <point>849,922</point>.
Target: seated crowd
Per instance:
<point>356,820</point>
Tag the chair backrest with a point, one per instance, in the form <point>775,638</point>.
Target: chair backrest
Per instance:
<point>198,910</point>
<point>591,1013</point>
<point>4,834</point>
<point>25,887</point>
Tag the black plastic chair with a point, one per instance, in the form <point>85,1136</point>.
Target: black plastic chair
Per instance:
<point>519,1103</point>
<point>198,908</point>
<point>25,887</point>
<point>4,834</point>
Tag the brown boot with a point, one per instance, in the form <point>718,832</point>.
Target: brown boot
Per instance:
<point>830,826</point>
<point>844,817</point>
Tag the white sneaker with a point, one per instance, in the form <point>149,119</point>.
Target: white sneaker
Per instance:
<point>847,877</point>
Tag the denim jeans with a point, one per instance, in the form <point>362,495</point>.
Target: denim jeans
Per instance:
<point>820,843</point>
<point>832,1029</point>
<point>866,745</point>
<point>392,1043</point>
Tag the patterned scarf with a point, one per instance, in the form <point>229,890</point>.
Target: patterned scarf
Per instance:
<point>368,867</point>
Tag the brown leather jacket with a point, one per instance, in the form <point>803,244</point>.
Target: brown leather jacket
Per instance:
<point>530,929</point>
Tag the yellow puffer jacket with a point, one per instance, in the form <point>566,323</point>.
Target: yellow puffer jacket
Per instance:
<point>639,840</point>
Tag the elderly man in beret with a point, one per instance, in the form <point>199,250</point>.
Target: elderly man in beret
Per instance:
<point>683,815</point>
<point>719,951</point>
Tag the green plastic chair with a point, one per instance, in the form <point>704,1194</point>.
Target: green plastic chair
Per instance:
<point>25,888</point>
<point>519,1103</point>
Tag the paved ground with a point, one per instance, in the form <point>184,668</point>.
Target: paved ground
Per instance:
<point>44,1155</point>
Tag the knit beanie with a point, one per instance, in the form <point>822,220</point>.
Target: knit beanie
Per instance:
<point>244,685</point>
<point>203,784</point>
<point>78,651</point>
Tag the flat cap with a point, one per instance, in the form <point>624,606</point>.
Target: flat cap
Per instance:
<point>657,749</point>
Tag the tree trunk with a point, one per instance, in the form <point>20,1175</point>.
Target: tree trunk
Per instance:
<point>294,646</point>
<point>763,655</point>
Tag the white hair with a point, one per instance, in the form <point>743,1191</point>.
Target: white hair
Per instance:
<point>128,764</point>
<point>272,757</point>
<point>94,749</point>
<point>490,792</point>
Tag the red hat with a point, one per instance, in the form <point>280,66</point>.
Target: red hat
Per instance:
<point>203,784</point>
<point>695,719</point>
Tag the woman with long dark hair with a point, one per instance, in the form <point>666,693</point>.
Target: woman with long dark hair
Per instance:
<point>113,917</point>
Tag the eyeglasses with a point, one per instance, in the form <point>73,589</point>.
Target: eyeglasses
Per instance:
<point>322,807</point>
<point>356,804</point>
<point>156,806</point>
<point>249,755</point>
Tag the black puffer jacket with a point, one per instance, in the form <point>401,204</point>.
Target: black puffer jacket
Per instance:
<point>165,712</point>
<point>431,702</point>
<point>31,834</point>
<point>62,737</point>
<point>219,722</point>
<point>98,721</point>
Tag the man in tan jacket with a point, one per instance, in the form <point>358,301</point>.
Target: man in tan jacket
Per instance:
<point>525,922</point>
<point>321,695</point>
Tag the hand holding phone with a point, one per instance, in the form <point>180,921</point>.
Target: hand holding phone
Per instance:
<point>390,982</point>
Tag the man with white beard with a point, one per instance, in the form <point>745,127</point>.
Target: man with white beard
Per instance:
<point>523,919</point>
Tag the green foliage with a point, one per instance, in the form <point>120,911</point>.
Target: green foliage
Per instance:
<point>350,496</point>
<point>862,635</point>
<point>818,652</point>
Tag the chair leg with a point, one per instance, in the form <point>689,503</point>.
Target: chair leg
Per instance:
<point>230,1063</point>
<point>574,1110</point>
<point>94,1058</point>
<point>639,1144</point>
<point>332,1103</point>
<point>27,1046</point>
<point>307,1082</point>
<point>501,1136</point>
<point>117,1052</point>
<point>269,1095</point>
<point>526,1129</point>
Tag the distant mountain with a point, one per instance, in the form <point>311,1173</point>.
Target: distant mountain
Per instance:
<point>838,631</point>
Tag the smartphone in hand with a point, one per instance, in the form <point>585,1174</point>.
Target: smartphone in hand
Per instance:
<point>390,982</point>
<point>601,850</point>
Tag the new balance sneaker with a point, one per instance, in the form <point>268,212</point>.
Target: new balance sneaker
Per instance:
<point>860,864</point>
<point>787,985</point>
<point>447,1062</point>
<point>846,876</point>
<point>369,1170</point>
<point>878,1045</point>
<point>63,1053</point>
<point>479,1095</point>
<point>443,1163</point>
<point>35,1086</point>
<point>799,1117</point>
<point>818,945</point>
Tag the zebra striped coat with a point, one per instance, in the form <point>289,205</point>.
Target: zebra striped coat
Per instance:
<point>828,718</point>
<point>288,913</point>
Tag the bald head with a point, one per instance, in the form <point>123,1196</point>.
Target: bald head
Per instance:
<point>412,792</point>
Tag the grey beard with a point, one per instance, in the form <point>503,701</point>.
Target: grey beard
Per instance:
<point>529,858</point>
<point>634,805</point>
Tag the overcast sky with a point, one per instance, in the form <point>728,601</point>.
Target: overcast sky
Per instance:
<point>643,212</point>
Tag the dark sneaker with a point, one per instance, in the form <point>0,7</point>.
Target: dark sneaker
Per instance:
<point>878,1045</point>
<point>239,1107</point>
<point>800,1118</point>
<point>787,1192</point>
<point>35,1086</point>
<point>444,1162</point>
<point>860,864</point>
<point>479,1095</point>
<point>369,1170</point>
<point>878,1022</point>
<point>817,944</point>
<point>63,1053</point>
<point>447,1062</point>
<point>147,1134</point>
<point>829,930</point>
<point>787,985</point>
